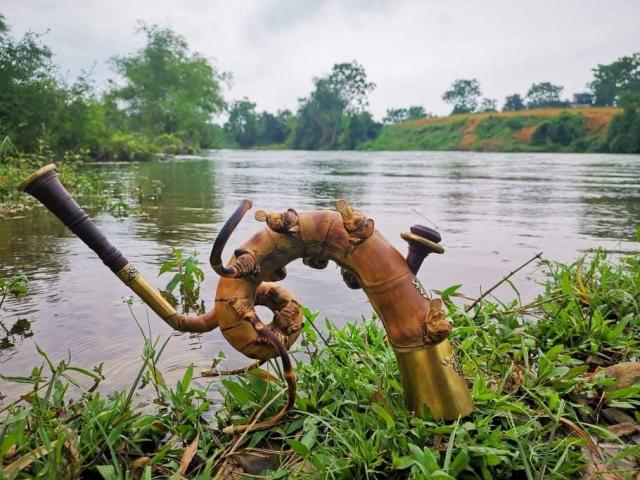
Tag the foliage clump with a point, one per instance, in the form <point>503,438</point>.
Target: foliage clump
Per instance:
<point>617,83</point>
<point>334,115</point>
<point>15,286</point>
<point>187,276</point>
<point>562,130</point>
<point>397,115</point>
<point>624,132</point>
<point>167,90</point>
<point>91,189</point>
<point>545,95</point>
<point>463,95</point>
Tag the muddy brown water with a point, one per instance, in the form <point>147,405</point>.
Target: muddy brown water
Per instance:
<point>494,211</point>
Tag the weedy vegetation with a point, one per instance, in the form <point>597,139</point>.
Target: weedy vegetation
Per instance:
<point>15,286</point>
<point>187,276</point>
<point>554,380</point>
<point>91,187</point>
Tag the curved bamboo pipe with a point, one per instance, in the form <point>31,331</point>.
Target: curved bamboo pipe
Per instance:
<point>416,325</point>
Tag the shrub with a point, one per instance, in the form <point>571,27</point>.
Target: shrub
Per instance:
<point>127,147</point>
<point>624,132</point>
<point>516,123</point>
<point>563,129</point>
<point>169,144</point>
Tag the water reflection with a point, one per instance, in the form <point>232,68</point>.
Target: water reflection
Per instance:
<point>9,336</point>
<point>493,210</point>
<point>190,192</point>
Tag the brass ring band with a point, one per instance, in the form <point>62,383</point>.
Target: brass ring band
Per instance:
<point>411,237</point>
<point>152,297</point>
<point>415,347</point>
<point>35,175</point>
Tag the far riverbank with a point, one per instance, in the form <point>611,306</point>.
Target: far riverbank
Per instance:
<point>546,130</point>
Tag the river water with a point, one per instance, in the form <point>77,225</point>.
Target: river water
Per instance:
<point>494,211</point>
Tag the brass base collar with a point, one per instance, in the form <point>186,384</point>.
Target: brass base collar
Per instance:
<point>431,375</point>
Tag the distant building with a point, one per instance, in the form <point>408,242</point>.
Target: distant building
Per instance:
<point>582,100</point>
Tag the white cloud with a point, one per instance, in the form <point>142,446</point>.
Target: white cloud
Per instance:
<point>413,50</point>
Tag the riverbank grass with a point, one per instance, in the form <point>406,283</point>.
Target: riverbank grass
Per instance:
<point>555,385</point>
<point>543,130</point>
<point>90,188</point>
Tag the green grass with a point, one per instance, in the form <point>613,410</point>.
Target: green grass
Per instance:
<point>544,403</point>
<point>431,136</point>
<point>547,130</point>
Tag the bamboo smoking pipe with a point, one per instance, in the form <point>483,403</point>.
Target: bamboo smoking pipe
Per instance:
<point>415,323</point>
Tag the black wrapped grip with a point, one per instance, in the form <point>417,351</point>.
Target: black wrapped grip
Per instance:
<point>48,189</point>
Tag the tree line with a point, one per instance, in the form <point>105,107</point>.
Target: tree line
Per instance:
<point>164,99</point>
<point>616,84</point>
<point>464,96</point>
<point>334,114</point>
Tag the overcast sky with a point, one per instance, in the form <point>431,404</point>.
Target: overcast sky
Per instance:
<point>412,50</point>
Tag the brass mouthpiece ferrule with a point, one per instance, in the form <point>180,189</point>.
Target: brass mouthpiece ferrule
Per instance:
<point>130,276</point>
<point>35,175</point>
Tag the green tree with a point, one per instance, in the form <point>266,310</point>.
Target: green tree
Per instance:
<point>397,115</point>
<point>416,112</point>
<point>545,95</point>
<point>36,108</point>
<point>167,89</point>
<point>624,132</point>
<point>619,81</point>
<point>463,95</point>
<point>513,103</point>
<point>319,118</point>
<point>82,123</point>
<point>563,130</point>
<point>274,128</point>
<point>358,128</point>
<point>242,124</point>
<point>488,105</point>
<point>349,81</point>
<point>30,95</point>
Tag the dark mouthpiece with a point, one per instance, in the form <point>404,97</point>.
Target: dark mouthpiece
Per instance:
<point>426,232</point>
<point>45,186</point>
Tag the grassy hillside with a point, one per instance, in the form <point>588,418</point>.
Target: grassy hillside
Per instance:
<point>547,130</point>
